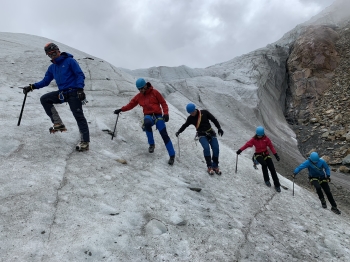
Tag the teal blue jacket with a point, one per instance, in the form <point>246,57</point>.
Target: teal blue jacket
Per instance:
<point>319,169</point>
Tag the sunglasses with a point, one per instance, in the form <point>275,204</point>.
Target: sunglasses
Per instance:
<point>143,88</point>
<point>52,53</point>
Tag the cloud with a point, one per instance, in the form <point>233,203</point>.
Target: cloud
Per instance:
<point>141,34</point>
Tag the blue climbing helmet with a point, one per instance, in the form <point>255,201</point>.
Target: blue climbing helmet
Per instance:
<point>314,157</point>
<point>190,108</point>
<point>140,83</point>
<point>260,131</point>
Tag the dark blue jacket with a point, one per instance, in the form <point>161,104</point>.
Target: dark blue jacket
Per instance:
<point>319,169</point>
<point>66,71</point>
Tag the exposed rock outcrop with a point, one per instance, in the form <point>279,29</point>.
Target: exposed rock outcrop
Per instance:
<point>311,65</point>
<point>318,102</point>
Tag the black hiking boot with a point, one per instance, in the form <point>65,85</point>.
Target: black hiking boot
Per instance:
<point>82,146</point>
<point>210,171</point>
<point>278,189</point>
<point>171,160</point>
<point>268,183</point>
<point>217,170</point>
<point>151,148</point>
<point>336,210</point>
<point>323,202</point>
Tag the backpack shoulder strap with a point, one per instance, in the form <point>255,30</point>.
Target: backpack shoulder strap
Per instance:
<point>199,119</point>
<point>315,165</point>
<point>319,169</point>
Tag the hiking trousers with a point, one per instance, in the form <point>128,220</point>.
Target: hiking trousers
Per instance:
<point>212,143</point>
<point>267,164</point>
<point>151,120</point>
<point>321,184</point>
<point>71,97</point>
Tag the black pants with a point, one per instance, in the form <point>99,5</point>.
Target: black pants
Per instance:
<point>267,164</point>
<point>48,100</point>
<point>319,185</point>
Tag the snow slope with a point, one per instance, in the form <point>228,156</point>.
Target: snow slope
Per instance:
<point>61,205</point>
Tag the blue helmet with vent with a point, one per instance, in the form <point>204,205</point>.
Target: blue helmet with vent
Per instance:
<point>190,108</point>
<point>140,83</point>
<point>260,131</point>
<point>314,157</point>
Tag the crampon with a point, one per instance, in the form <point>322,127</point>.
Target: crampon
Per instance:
<point>55,128</point>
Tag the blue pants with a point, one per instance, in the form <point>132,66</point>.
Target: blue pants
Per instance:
<point>214,144</point>
<point>48,100</point>
<point>151,120</point>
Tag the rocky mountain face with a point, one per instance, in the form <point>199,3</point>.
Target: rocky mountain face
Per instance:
<point>317,103</point>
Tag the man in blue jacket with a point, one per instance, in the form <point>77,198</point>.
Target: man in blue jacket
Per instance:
<point>319,175</point>
<point>70,81</point>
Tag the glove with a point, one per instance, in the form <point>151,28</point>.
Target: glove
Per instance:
<point>166,118</point>
<point>277,157</point>
<point>239,151</point>
<point>177,134</point>
<point>117,111</point>
<point>294,175</point>
<point>328,179</point>
<point>81,94</point>
<point>28,89</point>
<point>220,132</point>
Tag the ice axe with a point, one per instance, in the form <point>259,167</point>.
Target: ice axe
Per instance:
<point>24,101</point>
<point>178,145</point>
<point>236,164</point>
<point>115,126</point>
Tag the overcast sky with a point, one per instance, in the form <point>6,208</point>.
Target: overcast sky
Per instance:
<point>144,33</point>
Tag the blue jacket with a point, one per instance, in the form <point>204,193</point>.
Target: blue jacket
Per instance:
<point>318,169</point>
<point>66,71</point>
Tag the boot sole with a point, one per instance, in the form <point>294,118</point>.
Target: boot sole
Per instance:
<point>81,149</point>
<point>336,212</point>
<point>52,130</point>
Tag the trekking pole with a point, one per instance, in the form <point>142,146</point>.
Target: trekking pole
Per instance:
<point>236,163</point>
<point>178,145</point>
<point>115,126</point>
<point>20,116</point>
<point>293,186</point>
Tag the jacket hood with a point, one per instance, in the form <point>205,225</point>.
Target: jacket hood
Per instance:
<point>63,56</point>
<point>149,90</point>
<point>259,138</point>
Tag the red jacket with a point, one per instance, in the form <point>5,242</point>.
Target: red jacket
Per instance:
<point>260,144</point>
<point>151,101</point>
